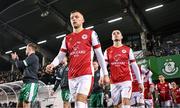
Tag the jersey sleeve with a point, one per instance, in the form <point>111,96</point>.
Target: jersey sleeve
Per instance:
<point>170,86</point>
<point>97,49</point>
<point>134,66</point>
<point>61,54</point>
<point>150,80</point>
<point>146,72</point>
<point>131,56</point>
<point>29,60</point>
<point>105,56</point>
<point>106,62</point>
<point>95,40</point>
<point>63,46</point>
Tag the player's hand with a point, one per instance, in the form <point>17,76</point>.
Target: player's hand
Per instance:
<point>149,94</point>
<point>106,80</point>
<point>141,88</point>
<point>49,68</point>
<point>14,56</point>
<point>101,81</point>
<point>157,101</point>
<point>151,88</point>
<point>52,92</point>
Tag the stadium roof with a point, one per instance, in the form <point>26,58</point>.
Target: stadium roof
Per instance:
<point>22,21</point>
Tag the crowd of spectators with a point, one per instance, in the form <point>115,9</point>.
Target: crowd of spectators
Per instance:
<point>16,75</point>
<point>8,76</point>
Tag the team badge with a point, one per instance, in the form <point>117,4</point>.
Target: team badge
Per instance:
<point>84,36</point>
<point>170,67</point>
<point>123,51</point>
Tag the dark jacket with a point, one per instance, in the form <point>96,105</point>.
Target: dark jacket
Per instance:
<point>96,87</point>
<point>30,67</point>
<point>61,74</point>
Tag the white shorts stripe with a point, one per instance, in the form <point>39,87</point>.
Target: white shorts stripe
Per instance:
<point>31,92</point>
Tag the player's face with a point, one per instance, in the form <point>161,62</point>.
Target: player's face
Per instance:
<point>116,35</point>
<point>161,78</point>
<point>173,84</point>
<point>76,19</point>
<point>95,64</point>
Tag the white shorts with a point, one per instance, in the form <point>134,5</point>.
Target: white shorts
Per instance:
<point>149,103</point>
<point>176,105</point>
<point>81,85</point>
<point>121,90</point>
<point>167,103</point>
<point>137,98</point>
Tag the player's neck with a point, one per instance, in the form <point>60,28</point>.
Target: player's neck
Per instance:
<point>117,44</point>
<point>31,53</point>
<point>162,81</point>
<point>77,30</point>
<point>95,69</point>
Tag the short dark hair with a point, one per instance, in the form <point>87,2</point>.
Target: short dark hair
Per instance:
<point>95,60</point>
<point>33,46</point>
<point>74,11</point>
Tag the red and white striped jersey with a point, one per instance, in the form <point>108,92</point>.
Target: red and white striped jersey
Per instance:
<point>80,51</point>
<point>145,74</point>
<point>164,91</point>
<point>119,59</point>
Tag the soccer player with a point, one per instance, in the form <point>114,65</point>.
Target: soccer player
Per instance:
<point>96,97</point>
<point>137,98</point>
<point>30,68</point>
<point>62,80</point>
<point>163,92</point>
<point>148,91</point>
<point>120,57</point>
<point>79,46</point>
<point>175,95</point>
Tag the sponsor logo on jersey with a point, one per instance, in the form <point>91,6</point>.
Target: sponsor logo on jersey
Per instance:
<point>76,49</point>
<point>117,61</point>
<point>117,57</point>
<point>170,67</point>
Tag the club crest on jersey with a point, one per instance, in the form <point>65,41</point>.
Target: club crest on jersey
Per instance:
<point>84,36</point>
<point>170,67</point>
<point>123,51</point>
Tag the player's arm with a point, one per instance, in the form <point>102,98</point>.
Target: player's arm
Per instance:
<point>26,62</point>
<point>59,75</point>
<point>146,72</point>
<point>106,63</point>
<point>57,83</point>
<point>156,92</point>
<point>173,95</point>
<point>59,57</point>
<point>151,89</point>
<point>61,54</point>
<point>170,87</point>
<point>135,66</point>
<point>98,52</point>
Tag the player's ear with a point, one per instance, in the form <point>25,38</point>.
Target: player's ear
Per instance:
<point>83,20</point>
